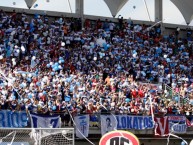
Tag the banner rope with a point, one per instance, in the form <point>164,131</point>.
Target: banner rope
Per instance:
<point>171,134</point>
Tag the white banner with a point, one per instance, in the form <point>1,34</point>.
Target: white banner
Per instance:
<point>82,126</point>
<point>45,121</point>
<point>108,123</point>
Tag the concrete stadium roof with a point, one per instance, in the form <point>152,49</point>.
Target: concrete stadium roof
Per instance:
<point>186,8</point>
<point>115,5</point>
<point>30,3</point>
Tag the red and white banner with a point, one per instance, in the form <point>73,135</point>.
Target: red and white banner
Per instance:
<point>161,126</point>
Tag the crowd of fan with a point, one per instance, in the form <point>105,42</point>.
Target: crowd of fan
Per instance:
<point>53,65</point>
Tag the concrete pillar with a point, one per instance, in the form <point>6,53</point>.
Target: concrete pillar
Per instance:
<point>80,9</point>
<point>158,10</point>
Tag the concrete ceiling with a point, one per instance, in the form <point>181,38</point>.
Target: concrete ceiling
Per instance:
<point>30,3</point>
<point>115,5</point>
<point>186,8</point>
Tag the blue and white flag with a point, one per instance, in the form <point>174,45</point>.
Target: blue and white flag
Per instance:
<point>108,123</point>
<point>82,126</point>
<point>45,121</point>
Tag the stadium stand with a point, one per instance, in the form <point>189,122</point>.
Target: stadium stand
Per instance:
<point>56,64</point>
<point>52,66</point>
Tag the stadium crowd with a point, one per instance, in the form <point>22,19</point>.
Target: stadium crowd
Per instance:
<point>53,65</point>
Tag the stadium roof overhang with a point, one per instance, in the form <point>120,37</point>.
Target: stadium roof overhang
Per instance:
<point>30,3</point>
<point>115,5</point>
<point>186,8</point>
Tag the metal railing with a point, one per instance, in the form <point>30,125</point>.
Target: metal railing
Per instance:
<point>38,136</point>
<point>174,94</point>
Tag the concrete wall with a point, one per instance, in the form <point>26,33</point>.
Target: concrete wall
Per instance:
<point>145,136</point>
<point>151,141</point>
<point>148,132</point>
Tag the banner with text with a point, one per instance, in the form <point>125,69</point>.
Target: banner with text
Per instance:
<point>177,124</point>
<point>134,122</point>
<point>14,119</point>
<point>110,122</point>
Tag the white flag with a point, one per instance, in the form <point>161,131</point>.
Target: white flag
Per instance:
<point>108,123</point>
<point>82,126</point>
